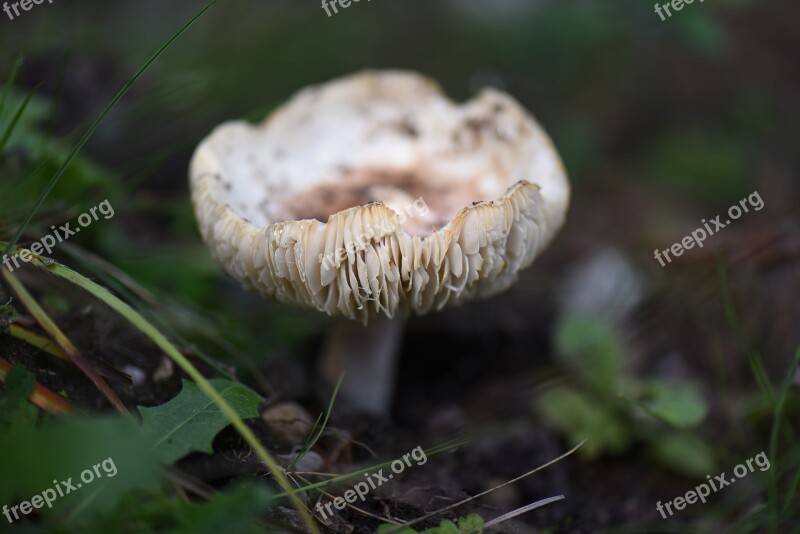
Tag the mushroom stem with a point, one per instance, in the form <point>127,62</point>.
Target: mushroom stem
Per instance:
<point>368,356</point>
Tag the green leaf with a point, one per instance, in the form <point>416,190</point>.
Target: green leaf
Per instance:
<point>235,511</point>
<point>445,527</point>
<point>471,524</point>
<point>678,405</point>
<point>15,410</point>
<point>590,346</point>
<point>684,453</point>
<point>584,418</point>
<point>109,452</point>
<point>389,527</point>
<point>189,422</point>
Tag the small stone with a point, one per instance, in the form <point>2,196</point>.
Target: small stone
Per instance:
<point>137,375</point>
<point>164,371</point>
<point>288,424</point>
<point>311,462</point>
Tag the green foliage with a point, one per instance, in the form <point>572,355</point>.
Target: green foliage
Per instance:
<point>471,524</point>
<point>15,410</point>
<point>32,156</point>
<point>152,510</point>
<point>591,349</point>
<point>33,457</point>
<point>198,271</point>
<point>581,417</point>
<point>677,405</point>
<point>190,421</point>
<point>684,453</point>
<point>713,164</point>
<point>236,510</point>
<point>612,410</point>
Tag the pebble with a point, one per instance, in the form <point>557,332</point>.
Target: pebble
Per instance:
<point>288,424</point>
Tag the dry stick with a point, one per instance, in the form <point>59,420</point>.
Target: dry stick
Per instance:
<point>41,397</point>
<point>63,341</point>
<point>465,501</point>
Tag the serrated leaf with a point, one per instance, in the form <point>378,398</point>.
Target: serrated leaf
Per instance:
<point>189,422</point>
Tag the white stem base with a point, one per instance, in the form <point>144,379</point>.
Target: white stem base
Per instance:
<point>368,356</point>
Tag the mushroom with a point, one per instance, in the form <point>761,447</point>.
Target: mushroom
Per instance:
<point>373,197</point>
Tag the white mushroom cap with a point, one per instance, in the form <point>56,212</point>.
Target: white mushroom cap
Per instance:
<point>374,193</point>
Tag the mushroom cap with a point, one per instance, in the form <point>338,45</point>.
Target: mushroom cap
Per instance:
<point>374,193</point>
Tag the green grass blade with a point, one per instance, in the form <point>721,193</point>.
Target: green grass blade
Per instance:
<point>773,441</point>
<point>51,122</point>
<point>792,493</point>
<point>35,340</point>
<point>9,83</point>
<point>17,116</point>
<point>753,357</point>
<point>313,441</point>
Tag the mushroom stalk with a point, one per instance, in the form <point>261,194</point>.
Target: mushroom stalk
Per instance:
<point>368,357</point>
